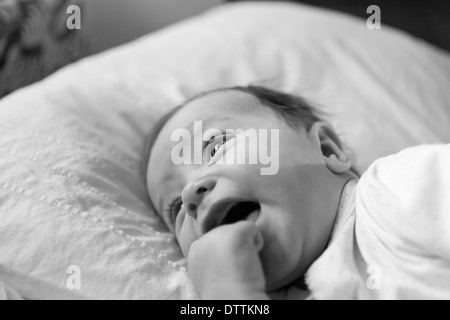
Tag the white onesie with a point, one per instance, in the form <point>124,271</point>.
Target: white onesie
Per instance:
<point>392,236</point>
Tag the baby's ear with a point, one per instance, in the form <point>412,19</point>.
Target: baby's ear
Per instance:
<point>336,158</point>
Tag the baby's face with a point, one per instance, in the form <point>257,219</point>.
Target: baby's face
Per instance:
<point>286,203</point>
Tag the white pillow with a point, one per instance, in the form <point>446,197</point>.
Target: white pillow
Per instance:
<point>71,195</point>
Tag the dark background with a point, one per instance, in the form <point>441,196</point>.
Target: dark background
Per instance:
<point>429,20</point>
<point>34,40</point>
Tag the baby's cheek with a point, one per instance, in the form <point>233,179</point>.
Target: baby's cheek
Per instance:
<point>241,158</point>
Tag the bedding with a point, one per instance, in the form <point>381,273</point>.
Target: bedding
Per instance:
<point>75,219</point>
<point>7,293</point>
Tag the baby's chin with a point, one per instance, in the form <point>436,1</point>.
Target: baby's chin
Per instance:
<point>279,272</point>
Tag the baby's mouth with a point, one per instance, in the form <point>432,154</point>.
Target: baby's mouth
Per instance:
<point>238,211</point>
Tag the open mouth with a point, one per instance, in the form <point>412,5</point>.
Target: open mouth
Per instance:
<point>240,211</point>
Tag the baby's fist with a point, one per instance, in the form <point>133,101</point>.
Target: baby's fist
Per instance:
<point>224,263</point>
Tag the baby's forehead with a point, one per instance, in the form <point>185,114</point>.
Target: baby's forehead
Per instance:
<point>230,104</point>
<point>224,102</point>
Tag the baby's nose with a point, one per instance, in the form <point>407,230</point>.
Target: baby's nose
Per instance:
<point>193,194</point>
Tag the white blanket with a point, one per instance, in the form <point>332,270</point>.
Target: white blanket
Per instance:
<point>392,238</point>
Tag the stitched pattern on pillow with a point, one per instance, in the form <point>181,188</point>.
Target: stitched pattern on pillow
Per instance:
<point>19,192</point>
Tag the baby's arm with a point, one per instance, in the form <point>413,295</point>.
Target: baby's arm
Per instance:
<point>224,263</point>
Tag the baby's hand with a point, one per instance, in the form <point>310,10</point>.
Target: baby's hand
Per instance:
<point>224,263</point>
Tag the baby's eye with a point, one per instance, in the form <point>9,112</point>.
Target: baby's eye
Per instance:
<point>213,146</point>
<point>173,210</point>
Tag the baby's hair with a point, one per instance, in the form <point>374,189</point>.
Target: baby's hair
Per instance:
<point>292,109</point>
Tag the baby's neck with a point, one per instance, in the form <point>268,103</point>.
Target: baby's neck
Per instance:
<point>339,185</point>
<point>334,195</point>
<point>344,181</point>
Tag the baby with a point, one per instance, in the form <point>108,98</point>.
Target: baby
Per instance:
<point>309,228</point>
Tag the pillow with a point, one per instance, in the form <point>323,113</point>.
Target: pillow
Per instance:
<point>75,221</point>
<point>35,40</point>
